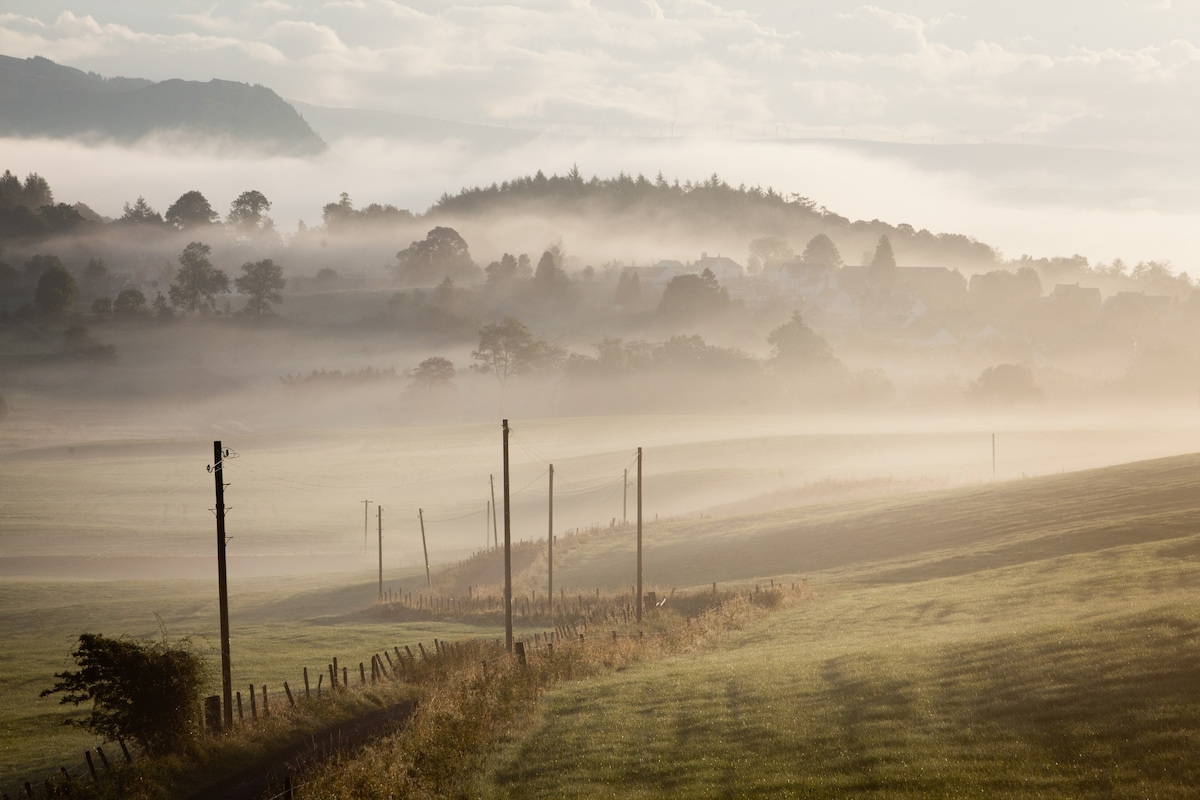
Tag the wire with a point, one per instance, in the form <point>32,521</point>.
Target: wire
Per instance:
<point>460,516</point>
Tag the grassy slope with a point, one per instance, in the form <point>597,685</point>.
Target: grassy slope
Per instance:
<point>279,626</point>
<point>1036,639</point>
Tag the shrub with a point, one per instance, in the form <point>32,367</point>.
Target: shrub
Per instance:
<point>148,692</point>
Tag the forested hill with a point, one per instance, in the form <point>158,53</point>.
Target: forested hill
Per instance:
<point>710,205</point>
<point>44,99</point>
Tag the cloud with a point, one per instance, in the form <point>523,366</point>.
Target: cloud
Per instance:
<point>929,65</point>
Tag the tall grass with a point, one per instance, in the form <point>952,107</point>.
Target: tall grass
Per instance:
<point>484,697</point>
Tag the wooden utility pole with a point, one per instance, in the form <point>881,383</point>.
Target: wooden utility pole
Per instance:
<point>639,536</point>
<point>625,499</point>
<point>380,510</point>
<point>495,535</point>
<point>366,521</point>
<point>508,624</point>
<point>550,541</point>
<point>223,588</point>
<point>421,516</point>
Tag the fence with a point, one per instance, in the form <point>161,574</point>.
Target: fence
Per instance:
<point>571,626</point>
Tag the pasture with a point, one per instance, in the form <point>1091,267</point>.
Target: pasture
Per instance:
<point>1036,639</point>
<point>115,535</point>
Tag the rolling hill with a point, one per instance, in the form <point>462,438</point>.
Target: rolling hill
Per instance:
<point>43,99</point>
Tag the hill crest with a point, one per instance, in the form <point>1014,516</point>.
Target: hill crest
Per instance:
<point>44,99</point>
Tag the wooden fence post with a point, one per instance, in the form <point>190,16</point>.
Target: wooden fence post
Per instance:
<point>125,751</point>
<point>87,754</point>
<point>103,758</point>
<point>212,714</point>
<point>320,680</point>
<point>519,648</point>
<point>265,709</point>
<point>335,674</point>
<point>345,680</point>
<point>307,694</point>
<point>241,714</point>
<point>288,690</point>
<point>253,705</point>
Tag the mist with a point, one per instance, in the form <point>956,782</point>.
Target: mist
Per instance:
<point>321,401</point>
<point>1035,201</point>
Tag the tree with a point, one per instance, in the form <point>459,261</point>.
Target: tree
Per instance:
<point>433,373</point>
<point>140,213</point>
<point>191,210</point>
<point>56,290</point>
<point>508,348</point>
<point>549,269</point>
<point>821,252</point>
<point>767,253</point>
<point>36,192</point>
<point>129,303</point>
<point>443,253</point>
<point>263,281</point>
<point>693,297</point>
<point>198,283</point>
<point>60,218</point>
<point>502,271</point>
<point>162,309</point>
<point>795,345</point>
<point>148,692</point>
<point>882,268</point>
<point>248,212</point>
<point>102,306</point>
<point>629,288</point>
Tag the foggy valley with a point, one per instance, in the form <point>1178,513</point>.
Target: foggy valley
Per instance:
<point>901,400</point>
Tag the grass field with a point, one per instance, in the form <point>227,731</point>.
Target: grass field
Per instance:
<point>912,585</point>
<point>1049,649</point>
<point>278,627</point>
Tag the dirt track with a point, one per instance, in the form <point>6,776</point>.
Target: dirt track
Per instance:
<point>266,778</point>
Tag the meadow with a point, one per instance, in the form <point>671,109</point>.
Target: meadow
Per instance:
<point>116,535</point>
<point>1049,648</point>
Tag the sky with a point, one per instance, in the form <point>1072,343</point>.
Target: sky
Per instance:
<point>1112,75</point>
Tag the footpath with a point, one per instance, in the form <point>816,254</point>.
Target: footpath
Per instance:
<point>269,777</point>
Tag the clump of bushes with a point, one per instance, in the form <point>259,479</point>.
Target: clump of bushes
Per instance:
<point>146,692</point>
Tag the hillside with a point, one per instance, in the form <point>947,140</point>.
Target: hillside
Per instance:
<point>907,538</point>
<point>1030,639</point>
<point>44,99</point>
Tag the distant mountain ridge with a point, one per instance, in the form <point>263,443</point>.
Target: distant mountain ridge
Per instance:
<point>39,98</point>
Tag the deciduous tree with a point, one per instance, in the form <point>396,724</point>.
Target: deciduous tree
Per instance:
<point>441,254</point>
<point>56,289</point>
<point>433,374</point>
<point>508,348</point>
<point>191,210</point>
<point>248,213</point>
<point>198,282</point>
<point>693,297</point>
<point>795,345</point>
<point>263,282</point>
<point>147,692</point>
<point>129,303</point>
